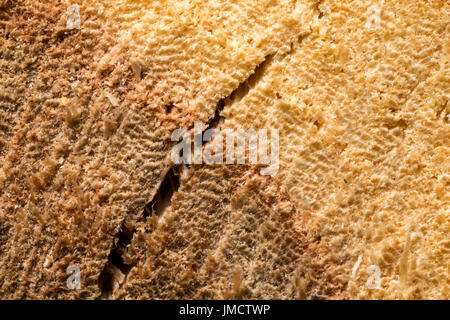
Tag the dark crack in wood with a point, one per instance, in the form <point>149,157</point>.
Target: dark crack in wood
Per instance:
<point>116,270</point>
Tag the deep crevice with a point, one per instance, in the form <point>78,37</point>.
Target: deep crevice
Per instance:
<point>244,87</point>
<point>115,268</point>
<point>163,197</point>
<point>237,95</point>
